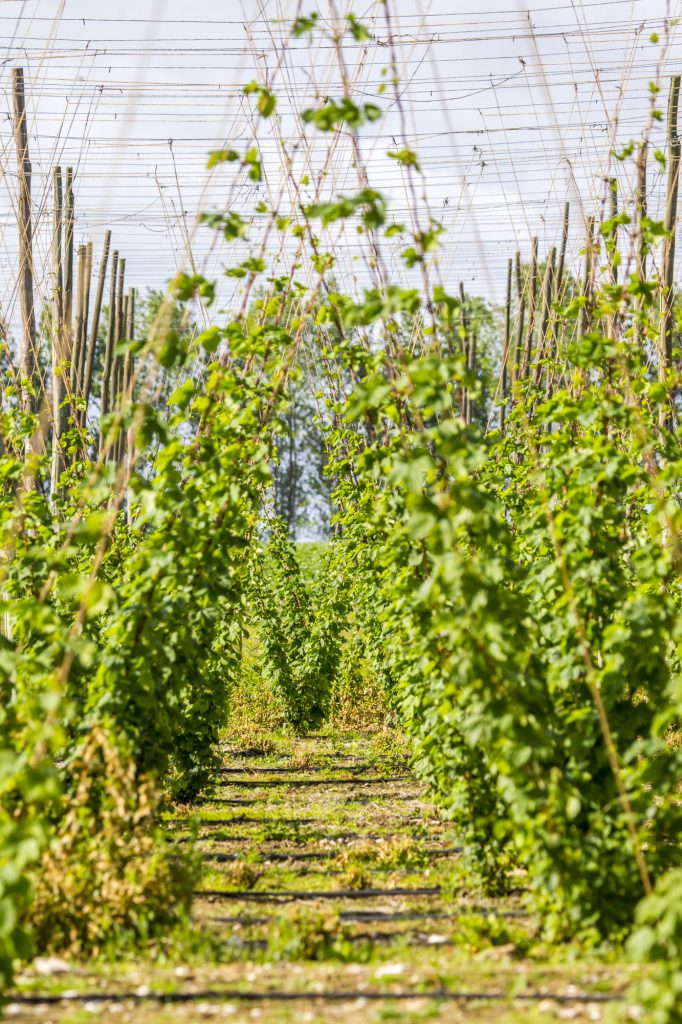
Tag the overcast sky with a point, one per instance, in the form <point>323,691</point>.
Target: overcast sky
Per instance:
<point>509,108</point>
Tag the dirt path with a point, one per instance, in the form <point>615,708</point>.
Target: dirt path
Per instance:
<point>332,891</point>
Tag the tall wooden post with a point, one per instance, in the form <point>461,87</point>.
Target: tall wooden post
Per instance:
<point>521,309</point>
<point>588,278</point>
<point>562,252</point>
<point>641,246</point>
<point>506,345</point>
<point>96,314</point>
<point>466,347</point>
<point>77,346</point>
<point>83,344</point>
<point>110,342</point>
<point>57,332</point>
<point>532,303</point>
<point>670,222</point>
<point>542,347</point>
<point>67,301</point>
<point>28,359</point>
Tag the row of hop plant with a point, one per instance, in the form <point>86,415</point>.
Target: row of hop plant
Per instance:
<point>516,590</point>
<point>123,601</point>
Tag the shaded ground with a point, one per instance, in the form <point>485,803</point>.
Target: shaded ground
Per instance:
<point>332,891</point>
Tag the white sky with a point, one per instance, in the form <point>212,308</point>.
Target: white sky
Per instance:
<point>507,106</point>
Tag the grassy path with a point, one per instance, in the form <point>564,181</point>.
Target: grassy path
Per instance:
<point>331,891</point>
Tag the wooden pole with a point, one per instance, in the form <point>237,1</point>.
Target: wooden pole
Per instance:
<point>562,252</point>
<point>466,346</point>
<point>117,366</point>
<point>76,353</point>
<point>532,303</point>
<point>28,357</point>
<point>87,280</point>
<point>57,332</point>
<point>613,213</point>
<point>612,255</point>
<point>117,363</point>
<point>110,341</point>
<point>670,222</point>
<point>506,346</point>
<point>118,371</point>
<point>128,377</point>
<point>68,256</point>
<point>543,340</point>
<point>129,358</point>
<point>641,247</point>
<point>521,309</point>
<point>584,320</point>
<point>96,314</point>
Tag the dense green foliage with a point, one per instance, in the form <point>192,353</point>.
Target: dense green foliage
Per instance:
<point>298,628</point>
<point>514,592</point>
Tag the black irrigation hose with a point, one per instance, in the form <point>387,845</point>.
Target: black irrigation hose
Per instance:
<point>259,752</point>
<point>269,770</point>
<point>229,802</point>
<point>376,917</point>
<point>245,819</point>
<point>261,783</point>
<point>285,855</point>
<point>333,837</point>
<point>238,802</point>
<point>290,896</point>
<point>230,995</point>
<point>406,797</point>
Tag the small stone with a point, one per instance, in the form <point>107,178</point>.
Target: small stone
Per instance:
<point>46,965</point>
<point>389,971</point>
<point>206,1009</point>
